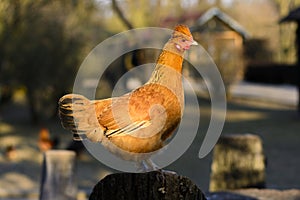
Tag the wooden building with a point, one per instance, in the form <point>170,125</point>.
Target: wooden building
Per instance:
<point>222,37</point>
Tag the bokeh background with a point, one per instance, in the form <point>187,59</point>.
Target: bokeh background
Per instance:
<point>44,42</point>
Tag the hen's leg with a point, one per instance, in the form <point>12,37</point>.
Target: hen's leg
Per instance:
<point>147,165</point>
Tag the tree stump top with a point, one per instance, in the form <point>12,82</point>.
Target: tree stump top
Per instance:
<point>147,186</point>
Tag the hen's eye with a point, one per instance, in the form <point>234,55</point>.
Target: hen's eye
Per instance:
<point>183,40</point>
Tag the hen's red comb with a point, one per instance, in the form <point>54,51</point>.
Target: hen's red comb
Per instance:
<point>182,29</point>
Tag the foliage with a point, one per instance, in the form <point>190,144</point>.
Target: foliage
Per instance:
<point>42,42</point>
<point>41,46</point>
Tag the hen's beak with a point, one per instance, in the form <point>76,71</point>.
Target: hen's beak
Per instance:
<point>194,43</point>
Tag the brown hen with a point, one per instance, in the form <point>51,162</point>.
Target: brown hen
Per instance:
<point>140,121</point>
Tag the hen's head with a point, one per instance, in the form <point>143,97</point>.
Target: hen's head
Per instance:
<point>183,38</point>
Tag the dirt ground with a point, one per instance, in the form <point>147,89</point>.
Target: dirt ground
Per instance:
<point>278,125</point>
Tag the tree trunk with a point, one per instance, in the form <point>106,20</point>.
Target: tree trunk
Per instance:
<point>298,61</point>
<point>298,88</point>
<point>147,186</point>
<point>32,106</point>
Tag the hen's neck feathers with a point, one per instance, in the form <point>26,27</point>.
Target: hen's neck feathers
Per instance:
<point>169,66</point>
<point>171,56</point>
<point>168,69</point>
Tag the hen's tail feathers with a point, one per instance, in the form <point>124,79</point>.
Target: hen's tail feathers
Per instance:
<point>78,115</point>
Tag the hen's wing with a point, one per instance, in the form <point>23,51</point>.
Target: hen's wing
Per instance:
<point>135,111</point>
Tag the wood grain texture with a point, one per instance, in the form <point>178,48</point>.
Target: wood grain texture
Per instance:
<point>154,185</point>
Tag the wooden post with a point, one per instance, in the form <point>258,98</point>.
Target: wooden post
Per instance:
<point>238,162</point>
<point>147,186</point>
<point>58,176</point>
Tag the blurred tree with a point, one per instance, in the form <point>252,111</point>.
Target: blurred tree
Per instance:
<point>290,9</point>
<point>41,46</point>
<point>121,15</point>
<point>143,13</point>
<point>287,31</point>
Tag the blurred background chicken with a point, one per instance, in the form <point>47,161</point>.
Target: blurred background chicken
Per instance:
<point>45,141</point>
<point>138,122</point>
<point>11,153</point>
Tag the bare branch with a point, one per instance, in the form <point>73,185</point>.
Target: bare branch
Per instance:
<point>119,12</point>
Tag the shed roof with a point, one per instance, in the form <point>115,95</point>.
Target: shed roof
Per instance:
<point>229,21</point>
<point>293,15</point>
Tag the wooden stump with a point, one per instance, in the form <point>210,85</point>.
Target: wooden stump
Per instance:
<point>238,162</point>
<point>58,176</point>
<point>147,186</point>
